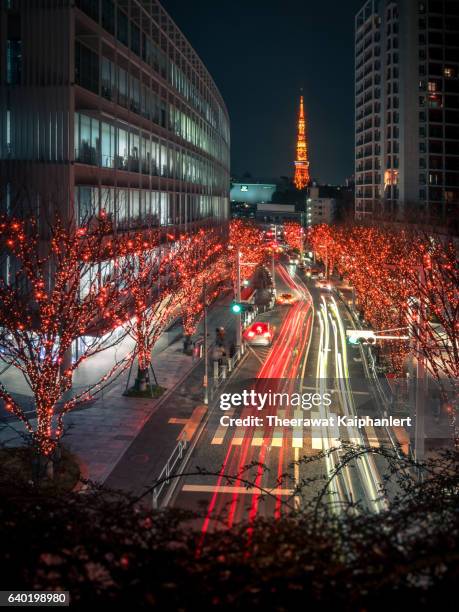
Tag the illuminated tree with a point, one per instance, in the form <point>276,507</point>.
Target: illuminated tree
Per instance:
<point>247,239</point>
<point>294,235</point>
<point>392,271</point>
<point>163,278</point>
<point>203,274</point>
<point>59,283</point>
<point>433,317</point>
<point>152,296</point>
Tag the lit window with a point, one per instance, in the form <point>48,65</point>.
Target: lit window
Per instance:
<point>449,72</point>
<point>390,177</point>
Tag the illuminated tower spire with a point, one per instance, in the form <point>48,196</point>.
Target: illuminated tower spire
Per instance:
<point>301,179</point>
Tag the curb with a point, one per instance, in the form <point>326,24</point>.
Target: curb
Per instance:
<point>211,407</point>
<point>155,408</point>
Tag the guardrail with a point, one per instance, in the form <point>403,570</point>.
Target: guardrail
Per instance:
<point>222,371</point>
<point>163,478</point>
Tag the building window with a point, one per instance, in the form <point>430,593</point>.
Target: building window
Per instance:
<point>90,7</point>
<point>108,16</point>
<point>135,39</point>
<point>86,68</point>
<point>123,28</point>
<point>449,72</point>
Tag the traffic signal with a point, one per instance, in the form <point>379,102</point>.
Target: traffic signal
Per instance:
<point>361,336</point>
<point>239,307</point>
<point>236,308</point>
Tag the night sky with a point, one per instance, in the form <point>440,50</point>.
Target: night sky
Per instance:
<point>260,52</point>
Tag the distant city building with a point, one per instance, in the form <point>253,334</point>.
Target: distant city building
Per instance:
<point>407,108</point>
<point>244,198</point>
<point>252,193</point>
<point>277,213</point>
<point>320,207</point>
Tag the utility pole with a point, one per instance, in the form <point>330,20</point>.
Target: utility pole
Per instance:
<point>238,300</point>
<point>205,383</point>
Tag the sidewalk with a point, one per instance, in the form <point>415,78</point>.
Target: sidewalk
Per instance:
<point>101,432</point>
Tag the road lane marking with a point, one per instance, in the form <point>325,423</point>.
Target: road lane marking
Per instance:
<point>316,436</point>
<point>190,488</point>
<point>192,423</point>
<point>238,436</point>
<point>221,430</point>
<point>297,435</point>
<point>258,436</point>
<point>334,431</point>
<point>372,437</point>
<point>278,434</point>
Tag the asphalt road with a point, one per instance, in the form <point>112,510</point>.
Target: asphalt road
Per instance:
<point>259,454</point>
<point>310,353</point>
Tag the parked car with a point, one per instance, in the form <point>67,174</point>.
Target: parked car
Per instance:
<point>259,334</point>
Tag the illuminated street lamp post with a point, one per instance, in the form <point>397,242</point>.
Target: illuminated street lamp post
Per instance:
<point>206,347</point>
<point>238,300</point>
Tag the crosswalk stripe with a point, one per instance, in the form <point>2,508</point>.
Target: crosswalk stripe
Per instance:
<point>258,436</point>
<point>297,435</point>
<point>221,430</point>
<point>316,433</point>
<point>334,433</point>
<point>278,434</point>
<point>372,437</point>
<point>238,436</point>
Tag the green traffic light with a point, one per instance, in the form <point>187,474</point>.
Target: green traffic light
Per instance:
<point>236,308</point>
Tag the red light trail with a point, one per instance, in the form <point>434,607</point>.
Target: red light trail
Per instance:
<point>283,362</point>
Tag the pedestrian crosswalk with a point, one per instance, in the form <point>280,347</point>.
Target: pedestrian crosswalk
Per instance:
<point>314,438</point>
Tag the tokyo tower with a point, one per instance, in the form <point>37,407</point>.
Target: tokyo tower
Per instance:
<point>301,179</point>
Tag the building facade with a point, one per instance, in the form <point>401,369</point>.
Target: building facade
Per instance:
<point>320,207</point>
<point>106,102</point>
<point>407,109</point>
<point>252,193</point>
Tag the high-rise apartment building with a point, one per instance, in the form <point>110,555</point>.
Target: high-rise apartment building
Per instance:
<point>407,109</point>
<point>107,102</point>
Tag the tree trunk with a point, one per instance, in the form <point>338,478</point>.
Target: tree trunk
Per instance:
<point>42,467</point>
<point>187,344</point>
<point>142,379</point>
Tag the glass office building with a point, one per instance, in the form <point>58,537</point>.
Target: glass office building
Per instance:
<point>107,102</point>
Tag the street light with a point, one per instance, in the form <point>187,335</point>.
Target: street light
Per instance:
<point>206,342</point>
